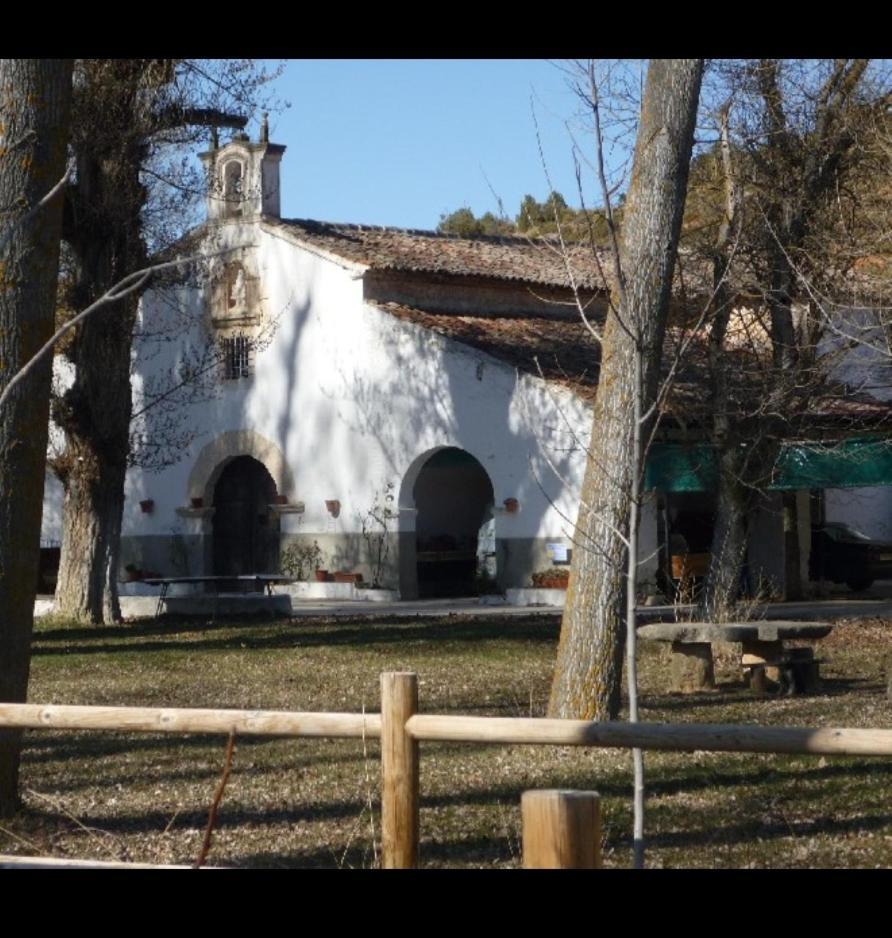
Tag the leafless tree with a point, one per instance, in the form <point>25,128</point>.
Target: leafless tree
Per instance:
<point>34,106</point>
<point>589,665</point>
<point>797,155</point>
<point>130,118</point>
<point>599,616</point>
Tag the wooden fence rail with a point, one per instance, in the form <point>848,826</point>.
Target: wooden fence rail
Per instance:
<point>401,728</point>
<point>680,737</point>
<point>185,720</point>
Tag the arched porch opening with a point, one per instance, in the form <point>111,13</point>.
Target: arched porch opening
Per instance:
<point>447,525</point>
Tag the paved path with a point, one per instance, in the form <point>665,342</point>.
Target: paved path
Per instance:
<point>874,602</point>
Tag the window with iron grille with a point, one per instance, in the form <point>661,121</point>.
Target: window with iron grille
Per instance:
<point>236,357</point>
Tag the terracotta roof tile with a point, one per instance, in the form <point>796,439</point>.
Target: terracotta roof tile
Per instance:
<point>501,258</point>
<point>564,352</point>
<point>559,350</point>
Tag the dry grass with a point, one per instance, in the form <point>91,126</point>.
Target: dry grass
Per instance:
<point>314,803</point>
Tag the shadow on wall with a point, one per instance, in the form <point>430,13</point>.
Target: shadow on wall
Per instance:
<point>232,404</point>
<point>433,393</point>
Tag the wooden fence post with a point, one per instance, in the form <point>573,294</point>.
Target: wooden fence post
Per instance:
<point>561,830</point>
<point>399,771</point>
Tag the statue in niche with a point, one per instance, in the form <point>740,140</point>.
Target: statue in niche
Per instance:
<point>237,292</point>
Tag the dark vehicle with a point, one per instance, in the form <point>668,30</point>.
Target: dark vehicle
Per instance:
<point>843,555</point>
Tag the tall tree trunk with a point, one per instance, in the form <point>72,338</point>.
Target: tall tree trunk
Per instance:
<point>34,107</point>
<point>721,588</point>
<point>722,584</point>
<point>95,415</point>
<point>588,672</point>
<point>106,244</point>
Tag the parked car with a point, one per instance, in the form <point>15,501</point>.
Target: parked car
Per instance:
<point>841,554</point>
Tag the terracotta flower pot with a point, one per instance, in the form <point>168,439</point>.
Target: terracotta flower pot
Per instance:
<point>322,576</point>
<point>146,506</point>
<point>341,577</point>
<point>556,580</point>
<point>197,502</point>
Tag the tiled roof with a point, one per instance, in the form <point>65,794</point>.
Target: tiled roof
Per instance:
<point>502,258</point>
<point>558,350</point>
<point>565,353</point>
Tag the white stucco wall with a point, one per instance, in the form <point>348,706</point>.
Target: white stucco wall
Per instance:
<point>355,399</point>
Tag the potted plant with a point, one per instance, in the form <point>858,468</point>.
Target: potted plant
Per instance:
<point>146,506</point>
<point>553,579</point>
<point>323,576</point>
<point>197,502</point>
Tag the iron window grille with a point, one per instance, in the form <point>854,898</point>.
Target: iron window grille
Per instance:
<point>237,354</point>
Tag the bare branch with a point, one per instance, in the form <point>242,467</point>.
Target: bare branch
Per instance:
<point>129,284</point>
<point>215,803</point>
<point>21,222</point>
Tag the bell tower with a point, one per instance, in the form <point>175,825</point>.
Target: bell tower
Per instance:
<point>243,176</point>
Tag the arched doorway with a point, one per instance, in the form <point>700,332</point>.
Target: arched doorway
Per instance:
<point>246,531</point>
<point>454,524</point>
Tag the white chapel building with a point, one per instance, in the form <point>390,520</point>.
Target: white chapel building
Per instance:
<point>357,369</point>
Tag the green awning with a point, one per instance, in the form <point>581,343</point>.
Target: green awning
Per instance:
<point>676,467</point>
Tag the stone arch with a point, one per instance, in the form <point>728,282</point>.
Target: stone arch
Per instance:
<point>217,454</point>
<point>458,489</point>
<point>245,531</point>
<point>406,499</point>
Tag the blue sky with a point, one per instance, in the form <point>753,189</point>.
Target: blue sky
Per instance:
<point>399,142</point>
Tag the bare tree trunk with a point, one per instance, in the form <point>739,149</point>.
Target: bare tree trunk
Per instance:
<point>722,584</point>
<point>97,427</point>
<point>92,512</point>
<point>34,107</point>
<point>589,665</point>
<point>106,243</point>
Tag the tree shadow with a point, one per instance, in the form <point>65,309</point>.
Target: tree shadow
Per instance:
<point>358,633</point>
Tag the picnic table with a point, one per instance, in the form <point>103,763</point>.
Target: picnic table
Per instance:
<point>259,581</point>
<point>764,656</point>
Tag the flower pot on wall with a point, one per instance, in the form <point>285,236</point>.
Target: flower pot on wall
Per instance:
<point>355,578</point>
<point>197,502</point>
<point>551,579</point>
<point>334,507</point>
<point>146,506</point>
<point>322,576</point>
<point>280,500</point>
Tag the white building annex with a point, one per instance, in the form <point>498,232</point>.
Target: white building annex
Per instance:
<point>445,382</point>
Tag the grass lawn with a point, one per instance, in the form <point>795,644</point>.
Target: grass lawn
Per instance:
<point>314,803</point>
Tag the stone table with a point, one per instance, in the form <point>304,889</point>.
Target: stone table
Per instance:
<point>763,651</point>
